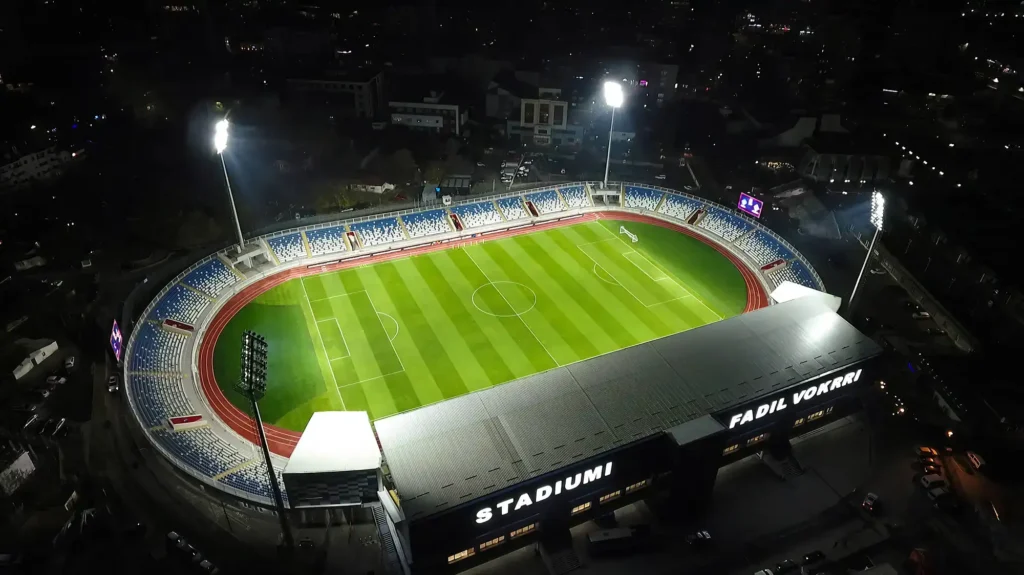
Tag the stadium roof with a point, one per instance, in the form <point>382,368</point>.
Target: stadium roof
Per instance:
<point>477,444</point>
<point>335,441</point>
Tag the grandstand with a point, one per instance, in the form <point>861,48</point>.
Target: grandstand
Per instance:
<point>157,350</point>
<point>546,202</point>
<point>763,248</point>
<point>476,215</point>
<point>678,207</point>
<point>643,198</point>
<point>211,277</point>
<point>724,224</point>
<point>182,304</point>
<point>326,240</point>
<point>378,232</point>
<point>575,196</point>
<point>421,224</point>
<point>159,379</point>
<point>288,248</point>
<point>513,208</point>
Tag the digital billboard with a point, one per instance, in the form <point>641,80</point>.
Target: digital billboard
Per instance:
<point>116,341</point>
<point>750,205</point>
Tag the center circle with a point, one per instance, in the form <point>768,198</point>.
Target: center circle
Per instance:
<point>504,299</point>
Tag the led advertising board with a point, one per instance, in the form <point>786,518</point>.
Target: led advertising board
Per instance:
<point>750,205</point>
<point>116,342</point>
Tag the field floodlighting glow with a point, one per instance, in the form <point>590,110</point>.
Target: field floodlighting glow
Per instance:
<point>220,136</point>
<point>877,209</point>
<point>613,95</point>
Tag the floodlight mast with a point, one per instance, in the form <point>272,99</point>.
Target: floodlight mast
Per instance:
<point>220,143</point>
<point>877,220</point>
<point>253,385</point>
<point>614,97</point>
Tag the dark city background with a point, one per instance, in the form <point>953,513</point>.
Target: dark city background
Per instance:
<point>111,188</point>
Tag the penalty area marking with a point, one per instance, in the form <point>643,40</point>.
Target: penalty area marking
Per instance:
<point>395,321</point>
<point>597,273</point>
<point>320,336</point>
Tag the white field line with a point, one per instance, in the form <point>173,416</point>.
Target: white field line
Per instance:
<point>321,337</point>
<point>663,277</point>
<point>348,352</point>
<point>680,284</point>
<point>384,329</point>
<point>509,304</point>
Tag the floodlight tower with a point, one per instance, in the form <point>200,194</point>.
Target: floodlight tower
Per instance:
<point>877,219</point>
<point>614,97</point>
<point>220,143</point>
<point>253,385</point>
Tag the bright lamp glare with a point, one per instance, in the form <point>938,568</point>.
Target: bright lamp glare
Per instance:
<point>877,209</point>
<point>613,95</point>
<point>220,136</point>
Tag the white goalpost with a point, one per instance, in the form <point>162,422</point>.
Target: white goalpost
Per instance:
<point>628,234</point>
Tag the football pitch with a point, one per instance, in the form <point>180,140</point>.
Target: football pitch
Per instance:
<point>395,335</point>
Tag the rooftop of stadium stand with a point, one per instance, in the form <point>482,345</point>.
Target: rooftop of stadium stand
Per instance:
<point>448,453</point>
<point>335,441</point>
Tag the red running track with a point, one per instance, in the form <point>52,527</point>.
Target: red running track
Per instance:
<point>283,441</point>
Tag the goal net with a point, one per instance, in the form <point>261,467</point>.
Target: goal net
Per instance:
<point>628,234</point>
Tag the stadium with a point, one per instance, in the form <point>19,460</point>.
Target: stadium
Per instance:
<point>483,376</point>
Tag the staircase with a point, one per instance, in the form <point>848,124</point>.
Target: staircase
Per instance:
<point>387,544</point>
<point>697,217</point>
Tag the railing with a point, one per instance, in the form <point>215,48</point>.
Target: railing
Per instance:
<point>227,292</point>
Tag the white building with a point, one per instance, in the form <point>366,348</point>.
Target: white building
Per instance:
<point>43,165</point>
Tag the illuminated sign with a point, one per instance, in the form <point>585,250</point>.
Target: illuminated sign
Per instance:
<point>545,491</point>
<point>750,205</point>
<point>116,340</point>
<point>805,394</point>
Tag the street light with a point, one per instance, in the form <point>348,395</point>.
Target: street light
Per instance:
<point>877,218</point>
<point>613,96</point>
<point>220,143</point>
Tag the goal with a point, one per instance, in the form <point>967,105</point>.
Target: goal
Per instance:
<point>628,234</point>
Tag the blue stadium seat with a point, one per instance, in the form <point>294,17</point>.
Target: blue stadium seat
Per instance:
<point>211,278</point>
<point>325,241</point>
<point>476,215</point>
<point>429,223</point>
<point>724,224</point>
<point>575,196</point>
<point>180,303</point>
<point>646,198</point>
<point>546,202</point>
<point>678,207</point>
<point>513,208</point>
<point>378,232</point>
<point>289,247</point>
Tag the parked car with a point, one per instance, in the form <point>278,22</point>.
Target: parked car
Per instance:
<point>60,429</point>
<point>56,380</point>
<point>870,503</point>
<point>659,177</point>
<point>877,272</point>
<point>926,452</point>
<point>786,566</point>
<point>700,539</point>
<point>69,363</point>
<point>911,306</point>
<point>32,421</point>
<point>936,331</point>
<point>42,393</point>
<point>112,384</point>
<point>47,428</point>
<point>765,572</point>
<point>25,407</point>
<point>938,493</point>
<point>619,541</point>
<point>976,460</point>
<point>931,461</point>
<point>931,482</point>
<point>921,315</point>
<point>815,556</point>
<point>480,164</point>
<point>930,469</point>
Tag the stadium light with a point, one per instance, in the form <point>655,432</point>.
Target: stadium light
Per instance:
<point>614,97</point>
<point>220,143</point>
<point>252,384</point>
<point>877,220</point>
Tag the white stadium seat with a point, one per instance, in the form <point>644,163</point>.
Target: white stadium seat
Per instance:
<point>379,232</point>
<point>429,223</point>
<point>679,207</point>
<point>513,208</point>
<point>476,215</point>
<point>288,248</point>
<point>644,198</point>
<point>728,226</point>
<point>546,202</point>
<point>325,241</point>
<point>211,277</point>
<point>575,196</point>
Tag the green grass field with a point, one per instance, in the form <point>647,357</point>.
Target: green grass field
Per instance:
<point>396,335</point>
